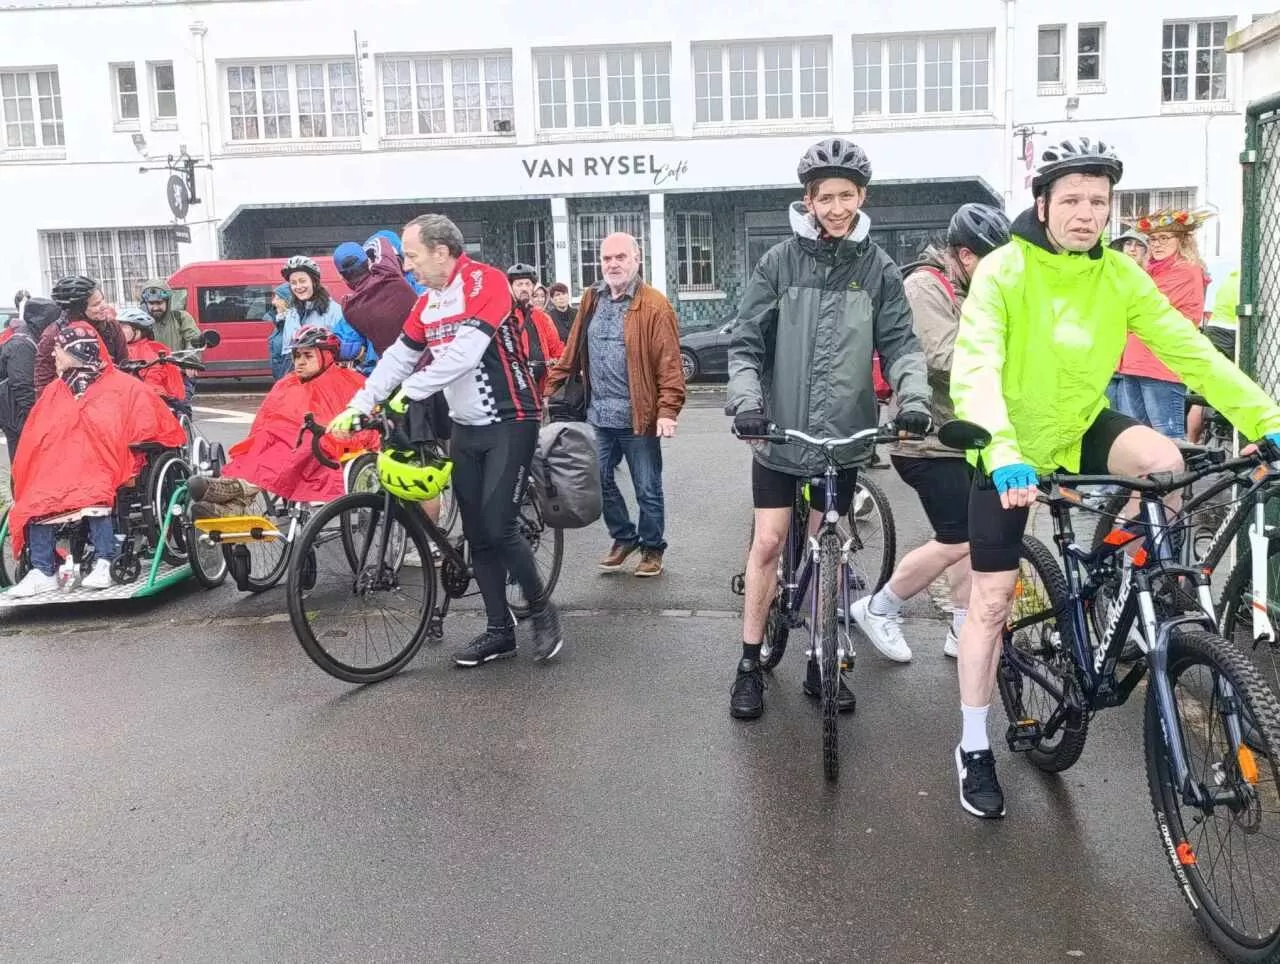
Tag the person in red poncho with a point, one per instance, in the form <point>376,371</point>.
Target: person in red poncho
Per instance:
<point>137,326</point>
<point>86,418</point>
<point>1144,388</point>
<point>270,457</point>
<point>542,344</point>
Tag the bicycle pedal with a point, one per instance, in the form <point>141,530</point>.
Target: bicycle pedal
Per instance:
<point>1023,736</point>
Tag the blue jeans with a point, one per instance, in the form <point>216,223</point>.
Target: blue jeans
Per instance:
<point>644,463</point>
<point>1162,405</point>
<point>40,541</point>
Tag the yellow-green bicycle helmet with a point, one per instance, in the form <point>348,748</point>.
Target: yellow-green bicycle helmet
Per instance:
<point>407,476</point>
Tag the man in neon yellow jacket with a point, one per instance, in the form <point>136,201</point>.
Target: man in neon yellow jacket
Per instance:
<point>1041,332</point>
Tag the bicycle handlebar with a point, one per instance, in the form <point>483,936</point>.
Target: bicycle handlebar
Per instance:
<point>176,359</point>
<point>880,435</point>
<point>1158,483</point>
<point>309,424</point>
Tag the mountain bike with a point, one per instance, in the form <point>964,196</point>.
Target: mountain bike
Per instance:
<point>827,559</point>
<point>355,575</point>
<point>1058,667</point>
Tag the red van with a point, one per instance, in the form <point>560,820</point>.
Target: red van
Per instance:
<point>230,297</point>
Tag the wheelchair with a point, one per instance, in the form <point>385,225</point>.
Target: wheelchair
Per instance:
<point>142,516</point>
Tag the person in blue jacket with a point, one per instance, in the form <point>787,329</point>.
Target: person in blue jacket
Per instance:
<point>276,311</point>
<point>394,240</point>
<point>312,304</point>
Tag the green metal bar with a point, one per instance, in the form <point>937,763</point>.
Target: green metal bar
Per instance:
<point>180,574</point>
<point>179,493</point>
<point>1264,105</point>
<point>1249,241</point>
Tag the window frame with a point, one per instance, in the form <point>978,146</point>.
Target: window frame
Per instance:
<point>1191,49</point>
<point>1057,85</point>
<point>685,261</point>
<point>760,73</point>
<point>37,121</point>
<point>892,75</point>
<point>1098,83</point>
<point>161,121</point>
<point>161,253</point>
<point>635,223</point>
<point>293,89</point>
<point>490,114</point>
<point>543,243</point>
<point>563,60</point>
<point>118,94</point>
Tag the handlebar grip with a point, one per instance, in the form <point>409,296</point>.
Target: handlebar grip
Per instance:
<point>319,453</point>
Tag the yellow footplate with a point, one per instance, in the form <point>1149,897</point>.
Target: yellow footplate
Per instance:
<point>240,528</point>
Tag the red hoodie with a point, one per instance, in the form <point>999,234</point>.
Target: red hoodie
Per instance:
<point>1183,282</point>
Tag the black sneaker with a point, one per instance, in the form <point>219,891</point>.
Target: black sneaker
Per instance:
<point>980,791</point>
<point>490,645</point>
<point>845,700</point>
<point>746,699</point>
<point>547,638</point>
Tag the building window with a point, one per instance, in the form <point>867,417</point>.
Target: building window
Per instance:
<point>604,88</point>
<point>788,80</point>
<point>32,108</point>
<point>533,246</point>
<point>1194,61</point>
<point>1049,55</point>
<point>1128,206</point>
<point>164,94</point>
<point>1089,54</point>
<point>283,101</point>
<point>447,95</point>
<point>124,87</point>
<point>594,228</point>
<point>121,261</point>
<point>695,262</point>
<point>931,75</point>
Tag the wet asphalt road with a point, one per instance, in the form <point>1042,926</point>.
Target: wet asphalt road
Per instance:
<point>180,783</point>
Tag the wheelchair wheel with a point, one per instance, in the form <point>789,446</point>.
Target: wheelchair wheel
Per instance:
<point>360,474</point>
<point>208,559</point>
<point>11,569</point>
<point>269,561</point>
<point>167,474</point>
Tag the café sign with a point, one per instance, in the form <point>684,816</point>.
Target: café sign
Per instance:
<point>604,165</point>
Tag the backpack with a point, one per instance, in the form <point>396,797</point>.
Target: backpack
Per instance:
<point>883,389</point>
<point>9,419</point>
<point>566,475</point>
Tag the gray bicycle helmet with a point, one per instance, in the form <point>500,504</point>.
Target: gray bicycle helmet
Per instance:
<point>136,317</point>
<point>978,227</point>
<point>1079,155</point>
<point>521,271</point>
<point>300,262</point>
<point>834,157</point>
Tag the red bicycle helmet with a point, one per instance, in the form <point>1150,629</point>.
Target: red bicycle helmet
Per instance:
<point>314,336</point>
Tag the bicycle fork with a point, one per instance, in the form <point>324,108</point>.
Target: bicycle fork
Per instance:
<point>1263,630</point>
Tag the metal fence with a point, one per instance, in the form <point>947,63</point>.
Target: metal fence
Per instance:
<point>1259,309</point>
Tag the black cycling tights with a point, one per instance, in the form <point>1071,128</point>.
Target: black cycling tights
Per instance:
<point>490,472</point>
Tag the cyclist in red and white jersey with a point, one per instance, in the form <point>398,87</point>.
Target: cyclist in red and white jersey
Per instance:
<point>465,320</point>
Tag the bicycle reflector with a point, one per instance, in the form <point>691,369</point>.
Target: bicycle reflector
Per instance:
<point>412,478</point>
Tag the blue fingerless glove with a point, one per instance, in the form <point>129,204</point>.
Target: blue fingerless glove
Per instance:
<point>1016,476</point>
<point>1274,439</point>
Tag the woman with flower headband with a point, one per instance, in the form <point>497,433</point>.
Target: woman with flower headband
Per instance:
<point>1143,387</point>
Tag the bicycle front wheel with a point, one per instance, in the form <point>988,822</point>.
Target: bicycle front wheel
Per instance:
<point>870,527</point>
<point>1235,610</point>
<point>268,560</point>
<point>361,618</point>
<point>828,640</point>
<point>1224,848</point>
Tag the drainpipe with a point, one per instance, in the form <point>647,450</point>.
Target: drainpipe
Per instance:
<point>1009,22</point>
<point>198,31</point>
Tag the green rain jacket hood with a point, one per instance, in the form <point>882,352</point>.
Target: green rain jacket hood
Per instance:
<point>1041,333</point>
<point>812,314</point>
<point>177,330</point>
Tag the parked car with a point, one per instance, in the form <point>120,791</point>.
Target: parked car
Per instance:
<point>704,352</point>
<point>230,297</point>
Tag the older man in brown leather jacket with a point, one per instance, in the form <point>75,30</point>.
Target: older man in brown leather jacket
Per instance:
<point>625,344</point>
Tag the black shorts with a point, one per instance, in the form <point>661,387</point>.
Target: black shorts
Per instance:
<point>995,533</point>
<point>771,489</point>
<point>943,487</point>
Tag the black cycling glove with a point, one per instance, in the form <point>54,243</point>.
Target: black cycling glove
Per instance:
<point>913,423</point>
<point>750,425</point>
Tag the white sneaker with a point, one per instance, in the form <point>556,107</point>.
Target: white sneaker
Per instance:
<point>885,632</point>
<point>99,576</point>
<point>412,559</point>
<point>952,646</point>
<point>34,583</point>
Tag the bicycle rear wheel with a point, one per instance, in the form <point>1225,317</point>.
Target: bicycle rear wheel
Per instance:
<point>366,622</point>
<point>547,545</point>
<point>828,655</point>
<point>1038,676</point>
<point>871,528</point>
<point>1224,853</point>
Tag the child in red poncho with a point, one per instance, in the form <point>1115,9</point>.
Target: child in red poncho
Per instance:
<point>137,326</point>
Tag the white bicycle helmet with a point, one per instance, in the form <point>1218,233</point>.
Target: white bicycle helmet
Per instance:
<point>1077,155</point>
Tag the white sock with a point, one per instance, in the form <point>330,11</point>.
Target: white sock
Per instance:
<point>974,735</point>
<point>886,602</point>
<point>957,621</point>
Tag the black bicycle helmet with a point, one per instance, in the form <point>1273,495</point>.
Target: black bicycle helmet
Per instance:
<point>522,272</point>
<point>834,157</point>
<point>300,262</point>
<point>1079,155</point>
<point>72,294</point>
<point>978,227</point>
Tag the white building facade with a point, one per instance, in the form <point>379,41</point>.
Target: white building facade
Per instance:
<point>541,130</point>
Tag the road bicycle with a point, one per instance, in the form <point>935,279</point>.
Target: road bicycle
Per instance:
<point>1212,726</point>
<point>360,581</point>
<point>828,560</point>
